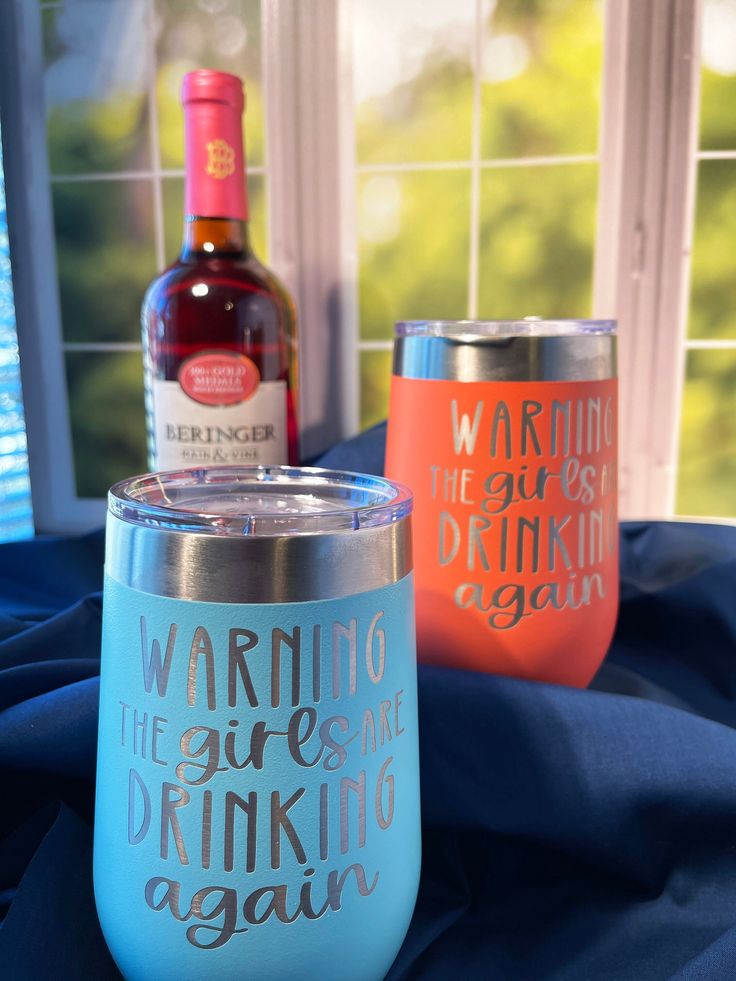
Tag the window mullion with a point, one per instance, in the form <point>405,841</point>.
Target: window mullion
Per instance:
<point>645,217</point>
<point>307,71</point>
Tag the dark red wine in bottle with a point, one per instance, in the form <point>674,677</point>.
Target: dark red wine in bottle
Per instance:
<point>219,330</point>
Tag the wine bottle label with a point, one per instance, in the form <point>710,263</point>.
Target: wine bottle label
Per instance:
<point>219,378</point>
<point>190,430</point>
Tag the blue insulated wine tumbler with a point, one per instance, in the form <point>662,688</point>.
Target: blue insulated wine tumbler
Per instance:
<point>257,806</point>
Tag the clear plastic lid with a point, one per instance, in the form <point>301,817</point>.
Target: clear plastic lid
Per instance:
<point>527,327</point>
<point>236,501</point>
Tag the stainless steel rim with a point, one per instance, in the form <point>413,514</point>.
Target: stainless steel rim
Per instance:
<point>269,569</point>
<point>471,358</point>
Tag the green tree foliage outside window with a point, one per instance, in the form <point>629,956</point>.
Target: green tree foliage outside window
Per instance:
<point>707,464</point>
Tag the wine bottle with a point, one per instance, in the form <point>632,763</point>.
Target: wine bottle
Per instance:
<point>219,329</point>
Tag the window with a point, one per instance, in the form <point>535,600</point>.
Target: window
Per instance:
<point>707,453</point>
<point>485,158</point>
<point>477,165</point>
<point>112,75</point>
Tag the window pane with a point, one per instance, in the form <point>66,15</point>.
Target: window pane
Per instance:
<point>105,256</point>
<point>536,241</point>
<point>109,64</point>
<point>707,471</point>
<point>107,418</point>
<point>541,77</point>
<point>713,284</point>
<point>414,240</point>
<point>221,34</point>
<point>718,79</point>
<point>413,79</point>
<point>96,81</point>
<point>173,201</point>
<point>375,381</point>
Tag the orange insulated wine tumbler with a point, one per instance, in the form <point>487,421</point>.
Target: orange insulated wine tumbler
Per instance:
<point>506,432</point>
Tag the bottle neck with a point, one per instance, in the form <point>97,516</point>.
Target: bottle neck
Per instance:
<point>215,196</point>
<point>214,237</point>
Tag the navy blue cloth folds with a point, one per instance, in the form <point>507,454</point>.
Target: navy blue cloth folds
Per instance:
<point>568,834</point>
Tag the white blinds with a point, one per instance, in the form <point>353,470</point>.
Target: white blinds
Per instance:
<point>16,518</point>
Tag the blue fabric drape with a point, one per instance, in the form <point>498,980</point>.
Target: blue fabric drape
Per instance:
<point>568,834</point>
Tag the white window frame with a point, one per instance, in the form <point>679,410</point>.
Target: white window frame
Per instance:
<point>310,157</point>
<point>647,156</point>
<point>649,132</point>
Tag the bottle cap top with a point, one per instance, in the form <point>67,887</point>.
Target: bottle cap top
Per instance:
<point>205,85</point>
